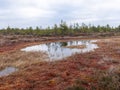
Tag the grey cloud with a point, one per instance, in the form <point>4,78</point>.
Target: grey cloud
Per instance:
<point>24,13</point>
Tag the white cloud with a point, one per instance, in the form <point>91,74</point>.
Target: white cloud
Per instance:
<point>46,12</point>
<point>31,12</point>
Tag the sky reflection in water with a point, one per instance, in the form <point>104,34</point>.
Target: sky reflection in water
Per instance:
<point>57,51</point>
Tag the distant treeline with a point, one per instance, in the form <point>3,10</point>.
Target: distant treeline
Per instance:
<point>63,29</point>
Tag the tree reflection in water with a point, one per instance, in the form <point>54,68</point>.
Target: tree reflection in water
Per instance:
<point>57,50</point>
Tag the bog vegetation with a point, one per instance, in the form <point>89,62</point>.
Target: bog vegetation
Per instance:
<point>62,29</point>
<point>99,70</point>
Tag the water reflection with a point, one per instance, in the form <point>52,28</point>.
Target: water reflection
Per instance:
<point>64,43</point>
<point>57,50</point>
<point>7,71</point>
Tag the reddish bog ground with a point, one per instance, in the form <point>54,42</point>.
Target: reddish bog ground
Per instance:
<point>59,75</point>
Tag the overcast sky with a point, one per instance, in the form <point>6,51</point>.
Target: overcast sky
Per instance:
<point>25,13</point>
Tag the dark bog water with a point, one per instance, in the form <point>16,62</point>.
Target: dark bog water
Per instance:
<point>7,71</point>
<point>57,50</point>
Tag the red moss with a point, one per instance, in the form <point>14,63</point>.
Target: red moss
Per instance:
<point>61,74</point>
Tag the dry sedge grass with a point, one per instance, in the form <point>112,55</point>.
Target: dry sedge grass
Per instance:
<point>78,46</point>
<point>21,59</point>
<point>97,70</point>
